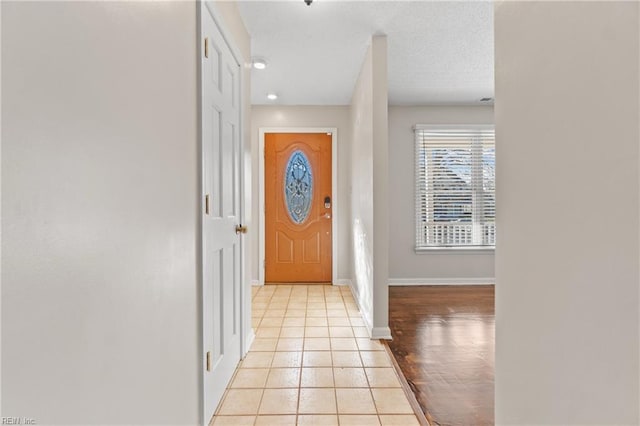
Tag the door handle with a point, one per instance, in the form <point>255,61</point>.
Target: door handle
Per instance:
<point>240,229</point>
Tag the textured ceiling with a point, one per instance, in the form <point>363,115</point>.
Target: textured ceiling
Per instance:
<point>439,52</point>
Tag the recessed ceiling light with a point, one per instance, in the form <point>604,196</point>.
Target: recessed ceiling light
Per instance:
<point>259,64</point>
<point>272,96</point>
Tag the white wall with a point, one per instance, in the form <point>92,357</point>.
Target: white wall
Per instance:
<point>567,257</point>
<point>369,197</point>
<point>100,163</point>
<point>380,188</point>
<point>311,116</point>
<point>405,265</point>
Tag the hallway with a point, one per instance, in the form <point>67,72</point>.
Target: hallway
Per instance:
<point>312,364</point>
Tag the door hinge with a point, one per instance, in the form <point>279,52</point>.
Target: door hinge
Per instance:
<point>206,204</point>
<point>206,47</point>
<point>209,361</point>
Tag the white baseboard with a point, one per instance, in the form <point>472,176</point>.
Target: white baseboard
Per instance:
<point>367,324</point>
<point>354,294</point>
<point>442,281</point>
<point>381,333</point>
<point>374,332</point>
<point>249,341</point>
<point>256,283</point>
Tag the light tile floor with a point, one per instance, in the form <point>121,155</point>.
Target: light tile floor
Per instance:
<point>313,364</point>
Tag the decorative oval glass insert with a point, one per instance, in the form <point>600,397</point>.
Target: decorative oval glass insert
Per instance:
<point>298,186</point>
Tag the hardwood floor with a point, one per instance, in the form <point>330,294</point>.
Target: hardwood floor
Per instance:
<point>443,340</point>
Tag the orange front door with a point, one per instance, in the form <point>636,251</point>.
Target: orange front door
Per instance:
<point>298,204</point>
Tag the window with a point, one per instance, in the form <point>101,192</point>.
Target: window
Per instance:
<point>455,186</point>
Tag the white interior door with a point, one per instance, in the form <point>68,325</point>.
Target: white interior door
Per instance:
<point>221,213</point>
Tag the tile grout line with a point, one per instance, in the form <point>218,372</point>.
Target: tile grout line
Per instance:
<point>268,372</point>
<point>301,360</point>
<point>333,372</point>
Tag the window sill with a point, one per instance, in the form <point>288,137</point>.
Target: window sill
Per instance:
<point>456,250</point>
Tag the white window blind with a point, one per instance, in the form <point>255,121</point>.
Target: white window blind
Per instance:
<point>455,186</point>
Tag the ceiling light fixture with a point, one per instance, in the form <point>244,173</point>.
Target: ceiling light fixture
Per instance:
<point>259,63</point>
<point>272,96</point>
<point>308,2</point>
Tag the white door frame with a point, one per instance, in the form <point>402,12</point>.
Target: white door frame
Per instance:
<point>334,194</point>
<point>207,6</point>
